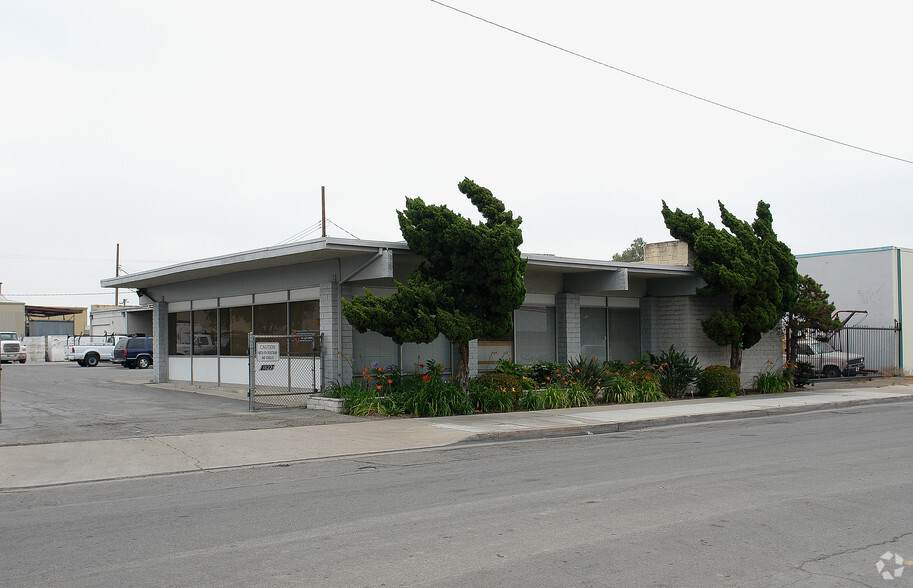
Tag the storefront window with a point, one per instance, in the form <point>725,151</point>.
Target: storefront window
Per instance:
<point>624,334</point>
<point>205,332</point>
<point>234,327</point>
<point>534,328</point>
<point>593,333</point>
<point>179,333</point>
<point>304,317</point>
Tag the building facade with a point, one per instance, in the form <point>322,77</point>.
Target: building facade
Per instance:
<point>203,311</point>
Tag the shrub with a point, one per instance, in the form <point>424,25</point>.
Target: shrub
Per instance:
<point>498,382</point>
<point>772,381</point>
<point>718,380</point>
<point>578,395</point>
<point>427,395</point>
<point>522,372</point>
<point>547,372</point>
<point>675,370</point>
<point>648,390</point>
<point>359,401</point>
<point>532,400</point>
<point>618,389</point>
<point>485,400</point>
<point>802,374</point>
<point>585,372</point>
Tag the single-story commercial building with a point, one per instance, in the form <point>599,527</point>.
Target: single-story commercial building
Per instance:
<point>202,311</point>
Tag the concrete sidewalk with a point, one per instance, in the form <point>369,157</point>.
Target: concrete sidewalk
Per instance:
<point>63,463</point>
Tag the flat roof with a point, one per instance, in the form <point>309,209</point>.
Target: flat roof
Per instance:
<point>332,247</point>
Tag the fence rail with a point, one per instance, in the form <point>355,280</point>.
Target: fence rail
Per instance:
<point>879,347</point>
<point>284,369</point>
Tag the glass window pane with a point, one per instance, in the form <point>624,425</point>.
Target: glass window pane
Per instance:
<point>535,334</point>
<point>179,333</point>
<point>419,353</point>
<point>368,347</point>
<point>235,326</point>
<point>304,317</point>
<point>593,342</point>
<point>624,334</point>
<point>205,332</point>
<point>272,319</point>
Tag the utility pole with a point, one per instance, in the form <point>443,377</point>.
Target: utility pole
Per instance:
<point>116,272</point>
<point>323,210</point>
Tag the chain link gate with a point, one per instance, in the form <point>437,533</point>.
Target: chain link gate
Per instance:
<point>284,369</point>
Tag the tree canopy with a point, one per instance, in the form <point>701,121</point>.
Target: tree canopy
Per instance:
<point>467,287</point>
<point>748,264</point>
<point>812,309</point>
<point>633,253</point>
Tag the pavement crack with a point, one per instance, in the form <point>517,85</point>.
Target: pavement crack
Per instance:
<point>196,462</point>
<point>851,550</point>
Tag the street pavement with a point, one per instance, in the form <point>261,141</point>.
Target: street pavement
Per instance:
<point>25,466</point>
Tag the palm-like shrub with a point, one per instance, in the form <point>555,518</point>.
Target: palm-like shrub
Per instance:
<point>676,371</point>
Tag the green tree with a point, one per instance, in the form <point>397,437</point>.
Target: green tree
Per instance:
<point>467,287</point>
<point>633,253</point>
<point>812,309</point>
<point>748,264</point>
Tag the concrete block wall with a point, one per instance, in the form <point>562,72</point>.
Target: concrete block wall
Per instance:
<point>334,329</point>
<point>160,342</point>
<point>567,326</point>
<point>677,320</point>
<point>667,253</point>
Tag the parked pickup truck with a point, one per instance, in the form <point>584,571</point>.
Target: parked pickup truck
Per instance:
<point>88,350</point>
<point>11,348</point>
<point>827,361</point>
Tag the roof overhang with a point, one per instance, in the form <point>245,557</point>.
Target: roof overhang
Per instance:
<point>579,275</point>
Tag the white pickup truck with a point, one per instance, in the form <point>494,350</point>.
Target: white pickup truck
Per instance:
<point>11,348</point>
<point>88,350</point>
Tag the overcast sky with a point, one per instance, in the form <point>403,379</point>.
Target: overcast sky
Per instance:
<point>189,129</point>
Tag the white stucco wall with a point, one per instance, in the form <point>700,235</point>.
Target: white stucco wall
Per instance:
<point>858,280</point>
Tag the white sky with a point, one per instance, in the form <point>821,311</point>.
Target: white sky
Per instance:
<point>190,129</point>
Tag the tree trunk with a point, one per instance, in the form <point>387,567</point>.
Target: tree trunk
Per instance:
<point>463,368</point>
<point>735,358</point>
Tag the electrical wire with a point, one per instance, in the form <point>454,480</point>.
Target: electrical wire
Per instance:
<point>342,229</point>
<point>668,87</point>
<point>69,294</point>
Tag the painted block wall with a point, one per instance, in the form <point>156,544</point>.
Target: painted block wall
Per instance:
<point>677,320</point>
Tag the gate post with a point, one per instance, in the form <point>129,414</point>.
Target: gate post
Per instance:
<point>251,364</point>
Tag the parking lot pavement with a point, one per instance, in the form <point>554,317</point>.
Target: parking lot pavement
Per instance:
<point>61,402</point>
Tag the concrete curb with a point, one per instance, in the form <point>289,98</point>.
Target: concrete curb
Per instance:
<point>652,422</point>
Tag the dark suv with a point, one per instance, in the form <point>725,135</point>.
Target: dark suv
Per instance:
<point>135,352</point>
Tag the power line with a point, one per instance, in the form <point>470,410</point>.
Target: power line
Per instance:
<point>69,294</point>
<point>668,87</point>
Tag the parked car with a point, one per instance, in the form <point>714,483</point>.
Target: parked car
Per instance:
<point>827,361</point>
<point>11,348</point>
<point>135,352</point>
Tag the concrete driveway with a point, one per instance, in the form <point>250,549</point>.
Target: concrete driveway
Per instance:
<point>59,402</point>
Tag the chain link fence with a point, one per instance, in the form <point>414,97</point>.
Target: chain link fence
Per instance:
<point>284,369</point>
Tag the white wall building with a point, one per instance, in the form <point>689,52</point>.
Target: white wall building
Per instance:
<point>878,281</point>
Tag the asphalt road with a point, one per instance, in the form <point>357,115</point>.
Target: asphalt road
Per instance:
<point>55,402</point>
<point>810,499</point>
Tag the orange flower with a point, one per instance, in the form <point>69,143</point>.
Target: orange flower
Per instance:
<point>379,386</point>
<point>421,365</point>
<point>548,377</point>
<point>389,381</point>
<point>426,377</point>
